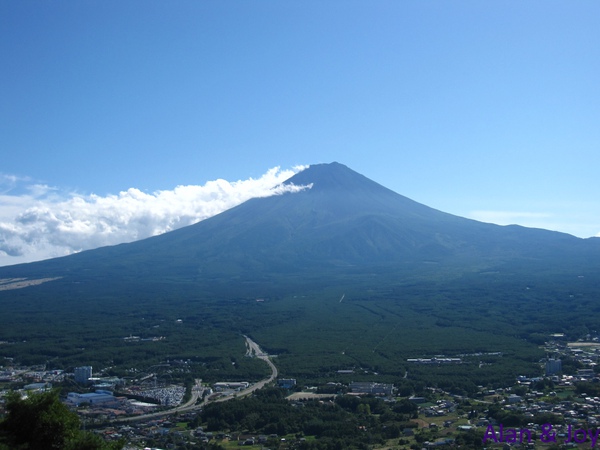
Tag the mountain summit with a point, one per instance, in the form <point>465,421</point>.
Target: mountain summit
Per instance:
<point>340,221</point>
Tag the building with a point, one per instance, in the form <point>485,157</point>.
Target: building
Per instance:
<point>38,387</point>
<point>371,388</point>
<point>227,385</point>
<point>83,374</point>
<point>94,398</point>
<point>286,383</point>
<point>514,398</point>
<point>585,373</point>
<point>106,383</point>
<point>553,366</point>
<point>440,360</point>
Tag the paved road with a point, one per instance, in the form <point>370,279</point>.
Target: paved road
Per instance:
<point>253,351</point>
<point>261,355</point>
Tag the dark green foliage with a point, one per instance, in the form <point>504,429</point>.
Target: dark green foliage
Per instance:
<point>348,423</point>
<point>570,365</point>
<point>375,329</point>
<point>472,439</point>
<point>507,418</point>
<point>405,406</point>
<point>588,388</point>
<point>39,422</point>
<point>544,418</point>
<point>42,422</point>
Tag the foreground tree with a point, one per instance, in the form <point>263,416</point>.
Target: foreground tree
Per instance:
<point>43,422</point>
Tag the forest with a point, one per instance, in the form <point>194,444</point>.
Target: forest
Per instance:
<point>495,322</point>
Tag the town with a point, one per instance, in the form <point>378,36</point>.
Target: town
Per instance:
<point>150,410</point>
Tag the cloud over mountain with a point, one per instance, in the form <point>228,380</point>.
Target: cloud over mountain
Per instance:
<point>39,222</point>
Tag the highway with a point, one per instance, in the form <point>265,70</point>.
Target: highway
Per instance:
<point>253,350</point>
<point>258,353</point>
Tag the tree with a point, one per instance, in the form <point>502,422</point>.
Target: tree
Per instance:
<point>364,408</point>
<point>42,422</point>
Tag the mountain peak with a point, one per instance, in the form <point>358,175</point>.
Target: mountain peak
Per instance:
<point>334,176</point>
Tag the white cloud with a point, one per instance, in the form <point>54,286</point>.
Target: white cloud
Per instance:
<point>39,223</point>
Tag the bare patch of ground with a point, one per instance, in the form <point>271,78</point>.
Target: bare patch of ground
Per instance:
<point>583,344</point>
<point>421,423</point>
<point>6,284</point>
<point>309,396</point>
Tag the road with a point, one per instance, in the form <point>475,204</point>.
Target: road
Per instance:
<point>253,350</point>
<point>187,406</point>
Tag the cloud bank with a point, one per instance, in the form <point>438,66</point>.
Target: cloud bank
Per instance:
<point>39,222</point>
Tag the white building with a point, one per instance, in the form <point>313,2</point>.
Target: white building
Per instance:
<point>553,366</point>
<point>83,374</point>
<point>94,398</point>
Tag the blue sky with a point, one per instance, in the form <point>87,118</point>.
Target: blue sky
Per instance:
<point>488,110</point>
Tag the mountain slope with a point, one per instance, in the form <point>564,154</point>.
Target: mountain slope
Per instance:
<point>341,219</point>
<point>414,281</point>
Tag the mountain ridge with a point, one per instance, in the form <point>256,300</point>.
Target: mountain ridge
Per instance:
<point>342,219</point>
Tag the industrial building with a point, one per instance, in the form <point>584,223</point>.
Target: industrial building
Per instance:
<point>93,398</point>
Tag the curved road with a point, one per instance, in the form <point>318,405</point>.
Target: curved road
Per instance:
<point>253,350</point>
